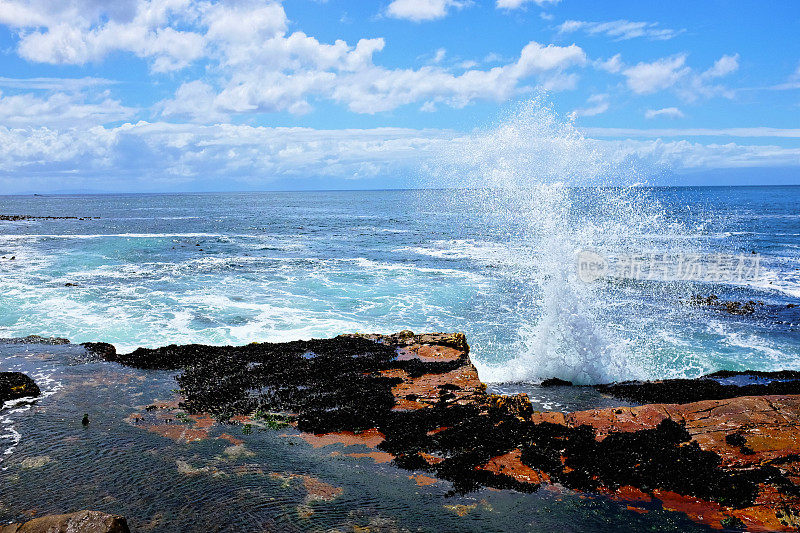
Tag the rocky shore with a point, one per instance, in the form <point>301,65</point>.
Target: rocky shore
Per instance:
<point>723,449</point>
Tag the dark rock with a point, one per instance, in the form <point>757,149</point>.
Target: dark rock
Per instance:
<point>15,385</point>
<point>332,384</point>
<point>737,440</point>
<point>78,522</point>
<point>705,388</point>
<point>35,339</point>
<point>729,306</point>
<point>556,382</point>
<point>779,374</point>
<point>661,458</point>
<point>102,350</point>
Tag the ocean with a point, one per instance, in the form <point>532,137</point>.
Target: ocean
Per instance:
<point>154,269</point>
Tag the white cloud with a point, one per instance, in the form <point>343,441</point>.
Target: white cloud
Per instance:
<point>597,104</point>
<point>672,72</point>
<point>613,64</point>
<point>239,152</point>
<point>668,112</point>
<point>792,83</point>
<point>423,10</point>
<point>289,71</point>
<point>134,155</point>
<point>723,66</point>
<point>620,30</point>
<point>645,78</point>
<point>255,64</point>
<point>60,109</point>
<point>88,30</point>
<point>516,4</point>
<point>685,155</point>
<point>696,132</point>
<point>52,84</point>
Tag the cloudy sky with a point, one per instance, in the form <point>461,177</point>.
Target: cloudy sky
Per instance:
<point>171,95</point>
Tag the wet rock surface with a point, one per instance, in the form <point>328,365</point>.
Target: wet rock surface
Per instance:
<point>725,450</point>
<point>15,385</point>
<point>81,521</point>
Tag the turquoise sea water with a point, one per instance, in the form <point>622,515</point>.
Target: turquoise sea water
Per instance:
<point>236,268</point>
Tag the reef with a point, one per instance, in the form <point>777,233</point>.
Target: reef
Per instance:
<point>16,218</point>
<point>709,387</point>
<point>732,307</point>
<point>727,454</point>
<point>81,521</point>
<point>14,385</point>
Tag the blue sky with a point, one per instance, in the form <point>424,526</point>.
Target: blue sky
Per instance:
<point>170,95</point>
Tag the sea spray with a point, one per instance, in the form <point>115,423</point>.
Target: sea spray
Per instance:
<point>557,194</point>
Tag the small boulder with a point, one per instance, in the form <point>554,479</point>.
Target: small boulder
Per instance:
<point>556,382</point>
<point>83,521</point>
<point>103,350</point>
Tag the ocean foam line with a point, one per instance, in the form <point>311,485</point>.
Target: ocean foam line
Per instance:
<point>48,386</point>
<point>8,423</point>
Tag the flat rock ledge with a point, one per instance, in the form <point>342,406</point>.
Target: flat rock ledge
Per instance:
<point>728,460</point>
<point>78,522</point>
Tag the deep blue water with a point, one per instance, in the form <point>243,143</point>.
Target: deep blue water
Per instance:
<point>242,267</point>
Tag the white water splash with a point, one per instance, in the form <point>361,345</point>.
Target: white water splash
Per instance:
<point>558,193</point>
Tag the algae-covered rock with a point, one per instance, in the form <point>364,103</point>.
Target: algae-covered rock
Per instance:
<point>15,385</point>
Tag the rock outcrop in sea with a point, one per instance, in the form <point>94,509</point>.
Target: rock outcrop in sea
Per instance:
<point>724,450</point>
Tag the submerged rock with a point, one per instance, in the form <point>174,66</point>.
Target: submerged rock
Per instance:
<point>15,385</point>
<point>81,521</point>
<point>35,462</point>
